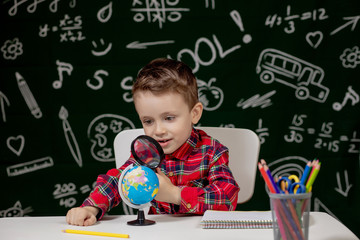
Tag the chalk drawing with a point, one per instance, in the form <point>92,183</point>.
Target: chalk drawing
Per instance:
<point>15,211</point>
<point>28,96</point>
<point>138,45</point>
<point>99,53</point>
<point>157,11</point>
<point>210,96</point>
<point>31,166</point>
<point>102,131</point>
<point>314,38</point>
<point>351,96</point>
<point>98,78</point>
<point>70,137</point>
<point>3,100</point>
<point>257,101</point>
<point>61,68</point>
<point>207,4</point>
<point>104,14</point>
<point>31,8</point>
<point>12,49</point>
<point>318,206</point>
<point>339,187</point>
<point>304,77</point>
<point>235,15</point>
<point>351,21</point>
<point>288,165</point>
<point>16,144</point>
<point>350,57</point>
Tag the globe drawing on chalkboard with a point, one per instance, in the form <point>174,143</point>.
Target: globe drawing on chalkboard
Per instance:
<point>138,185</point>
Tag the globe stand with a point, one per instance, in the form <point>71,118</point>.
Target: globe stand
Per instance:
<point>140,221</point>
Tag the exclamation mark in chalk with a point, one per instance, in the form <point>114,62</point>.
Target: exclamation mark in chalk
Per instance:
<point>235,15</point>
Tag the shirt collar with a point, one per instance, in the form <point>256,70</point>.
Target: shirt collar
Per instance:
<point>183,152</point>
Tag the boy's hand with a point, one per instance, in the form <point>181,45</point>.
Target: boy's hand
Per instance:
<point>168,192</point>
<point>82,216</point>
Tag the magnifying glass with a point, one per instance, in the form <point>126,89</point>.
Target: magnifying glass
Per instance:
<point>147,151</point>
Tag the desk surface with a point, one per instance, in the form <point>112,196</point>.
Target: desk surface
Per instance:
<point>322,226</point>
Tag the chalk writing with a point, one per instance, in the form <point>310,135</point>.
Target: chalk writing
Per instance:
<point>98,78</point>
<point>262,132</point>
<point>31,8</point>
<point>70,29</point>
<point>277,19</point>
<point>157,11</point>
<point>339,187</point>
<point>235,15</point>
<point>352,20</point>
<point>126,84</point>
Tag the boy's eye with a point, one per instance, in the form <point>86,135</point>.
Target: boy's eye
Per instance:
<point>147,122</point>
<point>169,118</point>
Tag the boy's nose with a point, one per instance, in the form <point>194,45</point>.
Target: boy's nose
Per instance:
<point>160,129</point>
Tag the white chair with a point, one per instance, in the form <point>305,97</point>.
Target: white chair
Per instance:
<point>243,144</point>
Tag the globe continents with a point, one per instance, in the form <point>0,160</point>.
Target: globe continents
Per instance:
<point>140,185</point>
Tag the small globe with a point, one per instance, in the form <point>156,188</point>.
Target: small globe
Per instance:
<point>140,185</point>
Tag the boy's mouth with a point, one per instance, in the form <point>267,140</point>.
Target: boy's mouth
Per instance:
<point>163,142</point>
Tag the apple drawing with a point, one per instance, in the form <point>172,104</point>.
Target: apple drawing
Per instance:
<point>210,96</point>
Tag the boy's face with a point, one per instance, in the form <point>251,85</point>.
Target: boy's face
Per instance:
<point>166,118</point>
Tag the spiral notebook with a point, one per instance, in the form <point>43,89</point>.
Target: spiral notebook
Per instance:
<point>236,219</point>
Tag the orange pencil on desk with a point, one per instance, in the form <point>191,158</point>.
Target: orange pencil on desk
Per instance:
<point>103,234</point>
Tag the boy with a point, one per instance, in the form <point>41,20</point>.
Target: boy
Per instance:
<point>194,175</point>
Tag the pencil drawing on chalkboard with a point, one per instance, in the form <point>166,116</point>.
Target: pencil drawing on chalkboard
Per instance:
<point>102,131</point>
<point>15,211</point>
<point>16,144</point>
<point>304,77</point>
<point>70,137</point>
<point>210,96</point>
<point>3,100</point>
<point>350,57</point>
<point>28,96</point>
<point>12,49</point>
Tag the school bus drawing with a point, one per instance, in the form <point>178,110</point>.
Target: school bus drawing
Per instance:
<point>304,77</point>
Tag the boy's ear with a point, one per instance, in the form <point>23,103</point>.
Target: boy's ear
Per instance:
<point>196,112</point>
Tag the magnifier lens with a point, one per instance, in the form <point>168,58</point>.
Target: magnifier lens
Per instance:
<point>147,151</point>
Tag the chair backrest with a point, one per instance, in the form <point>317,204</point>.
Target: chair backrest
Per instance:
<point>243,144</point>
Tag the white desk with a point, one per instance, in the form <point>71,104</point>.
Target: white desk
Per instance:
<point>322,226</point>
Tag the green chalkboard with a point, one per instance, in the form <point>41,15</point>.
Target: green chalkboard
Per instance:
<point>288,70</point>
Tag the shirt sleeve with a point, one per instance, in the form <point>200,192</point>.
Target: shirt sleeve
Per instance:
<point>106,195</point>
<point>220,194</point>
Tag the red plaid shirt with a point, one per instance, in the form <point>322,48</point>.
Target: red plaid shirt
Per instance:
<point>199,167</point>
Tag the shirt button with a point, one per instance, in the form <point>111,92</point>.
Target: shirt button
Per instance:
<point>188,205</point>
<point>171,174</point>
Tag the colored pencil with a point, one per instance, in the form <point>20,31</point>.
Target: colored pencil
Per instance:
<point>103,234</point>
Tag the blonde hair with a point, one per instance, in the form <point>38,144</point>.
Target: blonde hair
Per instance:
<point>163,75</point>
